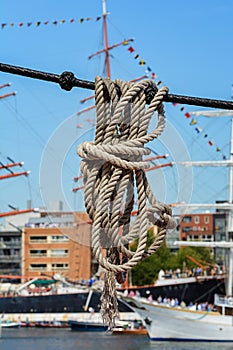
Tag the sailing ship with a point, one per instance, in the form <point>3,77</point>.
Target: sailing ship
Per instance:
<point>67,303</point>
<point>204,322</point>
<point>187,288</point>
<point>166,323</point>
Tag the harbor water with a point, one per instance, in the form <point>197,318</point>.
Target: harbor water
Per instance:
<point>65,339</point>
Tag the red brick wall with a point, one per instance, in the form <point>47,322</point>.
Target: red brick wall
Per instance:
<point>194,228</point>
<point>78,257</point>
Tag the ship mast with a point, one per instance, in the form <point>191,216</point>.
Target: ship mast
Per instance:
<point>230,219</point>
<point>228,206</point>
<point>231,167</point>
<point>107,63</point>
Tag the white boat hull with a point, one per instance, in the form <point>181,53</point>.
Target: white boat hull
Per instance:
<point>9,324</point>
<point>62,317</point>
<point>171,324</point>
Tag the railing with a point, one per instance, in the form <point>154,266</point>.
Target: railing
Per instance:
<point>223,300</point>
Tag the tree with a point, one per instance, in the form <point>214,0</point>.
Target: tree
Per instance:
<point>146,271</point>
<point>200,254</point>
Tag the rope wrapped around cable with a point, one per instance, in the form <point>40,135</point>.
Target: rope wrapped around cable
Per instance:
<point>114,178</point>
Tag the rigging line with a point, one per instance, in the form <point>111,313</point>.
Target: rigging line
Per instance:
<point>39,101</point>
<point>27,125</point>
<point>116,28</point>
<point>67,81</point>
<point>41,141</point>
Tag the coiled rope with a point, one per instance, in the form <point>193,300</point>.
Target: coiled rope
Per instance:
<point>114,176</point>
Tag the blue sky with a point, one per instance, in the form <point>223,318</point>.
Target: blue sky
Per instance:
<point>187,44</point>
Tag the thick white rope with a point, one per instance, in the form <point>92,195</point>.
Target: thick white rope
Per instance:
<point>113,170</point>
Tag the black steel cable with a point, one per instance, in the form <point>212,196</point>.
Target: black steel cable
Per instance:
<point>67,81</point>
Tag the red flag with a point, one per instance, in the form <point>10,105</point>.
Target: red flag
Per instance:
<point>131,49</point>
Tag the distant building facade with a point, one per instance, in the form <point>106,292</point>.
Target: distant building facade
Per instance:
<point>197,227</point>
<point>10,252</point>
<point>206,227</point>
<point>57,243</point>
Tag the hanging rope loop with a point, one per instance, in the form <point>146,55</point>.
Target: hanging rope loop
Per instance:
<point>114,177</point>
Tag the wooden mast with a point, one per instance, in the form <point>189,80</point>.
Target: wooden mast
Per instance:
<point>107,63</point>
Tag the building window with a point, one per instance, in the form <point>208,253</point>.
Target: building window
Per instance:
<point>207,237</point>
<point>187,219</point>
<point>60,238</point>
<point>196,219</point>
<point>7,239</point>
<point>187,229</point>
<point>38,267</point>
<point>206,219</point>
<point>6,252</point>
<point>35,252</point>
<point>59,252</point>
<point>16,252</point>
<point>220,224</point>
<point>35,239</point>
<point>60,266</point>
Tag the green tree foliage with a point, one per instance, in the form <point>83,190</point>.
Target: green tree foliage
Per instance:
<point>200,254</point>
<point>146,272</point>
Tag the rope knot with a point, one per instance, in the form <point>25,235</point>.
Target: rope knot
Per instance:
<point>169,221</point>
<point>120,155</point>
<point>150,91</point>
<point>161,215</point>
<point>66,80</point>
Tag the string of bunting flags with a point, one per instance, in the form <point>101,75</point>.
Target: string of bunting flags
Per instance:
<point>54,22</point>
<point>193,122</point>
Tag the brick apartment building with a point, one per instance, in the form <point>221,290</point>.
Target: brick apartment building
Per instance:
<point>197,227</point>
<point>206,227</point>
<point>57,243</point>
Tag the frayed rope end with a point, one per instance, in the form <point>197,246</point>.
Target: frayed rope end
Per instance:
<point>109,304</point>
